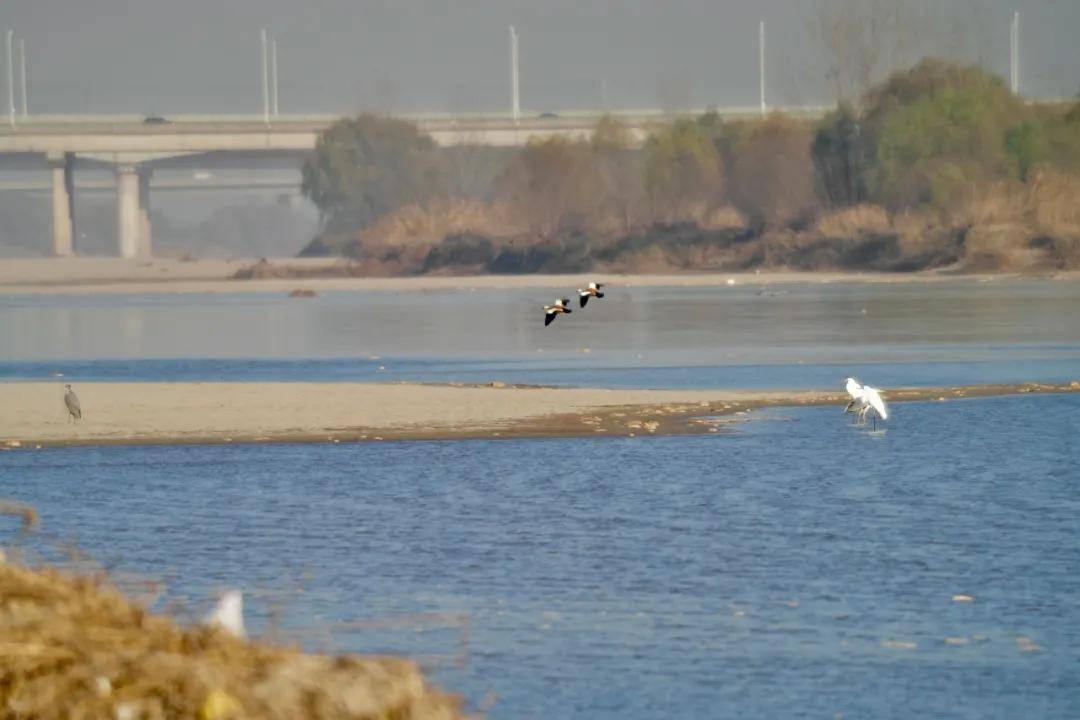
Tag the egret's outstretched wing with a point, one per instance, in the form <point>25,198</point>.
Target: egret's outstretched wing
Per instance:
<point>854,389</point>
<point>873,398</point>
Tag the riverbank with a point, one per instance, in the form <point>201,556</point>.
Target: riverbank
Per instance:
<point>108,276</point>
<point>32,414</point>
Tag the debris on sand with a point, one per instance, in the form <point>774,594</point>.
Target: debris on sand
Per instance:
<point>74,647</point>
<point>303,293</point>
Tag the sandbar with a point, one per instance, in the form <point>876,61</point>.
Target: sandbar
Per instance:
<point>33,413</point>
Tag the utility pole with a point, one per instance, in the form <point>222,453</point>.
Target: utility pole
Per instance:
<point>1014,54</point>
<point>22,73</point>
<point>11,78</point>
<point>516,98</point>
<point>265,80</point>
<point>273,74</point>
<point>761,64</point>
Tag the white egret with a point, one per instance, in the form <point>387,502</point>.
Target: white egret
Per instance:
<point>865,398</point>
<point>228,614</point>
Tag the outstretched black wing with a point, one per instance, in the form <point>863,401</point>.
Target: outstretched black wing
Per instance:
<point>584,299</point>
<point>548,317</point>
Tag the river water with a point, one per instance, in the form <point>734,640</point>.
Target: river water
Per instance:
<point>798,566</point>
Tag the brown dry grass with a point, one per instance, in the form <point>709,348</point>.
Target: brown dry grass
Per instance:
<point>1054,202</point>
<point>1025,226</point>
<point>723,218</point>
<point>426,226</point>
<point>853,221</point>
<point>72,647</point>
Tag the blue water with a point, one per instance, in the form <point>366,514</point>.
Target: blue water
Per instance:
<point>798,567</point>
<point>795,336</point>
<point>1042,364</point>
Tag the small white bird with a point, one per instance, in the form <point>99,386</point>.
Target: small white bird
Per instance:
<point>865,398</point>
<point>550,311</point>
<point>592,291</point>
<point>228,614</point>
<point>71,400</point>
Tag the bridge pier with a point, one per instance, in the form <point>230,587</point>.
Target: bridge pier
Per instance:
<point>63,204</point>
<point>133,211</point>
<point>145,244</point>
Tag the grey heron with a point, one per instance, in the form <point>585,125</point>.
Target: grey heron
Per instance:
<point>71,400</point>
<point>592,291</point>
<point>551,311</point>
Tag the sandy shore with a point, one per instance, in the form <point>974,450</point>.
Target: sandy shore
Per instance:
<point>36,276</point>
<point>166,413</point>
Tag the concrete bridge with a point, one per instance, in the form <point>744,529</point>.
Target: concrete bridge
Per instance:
<point>133,147</point>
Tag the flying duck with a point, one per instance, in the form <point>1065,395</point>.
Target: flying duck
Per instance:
<point>550,311</point>
<point>592,291</point>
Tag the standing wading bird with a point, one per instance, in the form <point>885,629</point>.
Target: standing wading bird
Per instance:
<point>864,399</point>
<point>228,614</point>
<point>592,291</point>
<point>550,311</point>
<point>73,407</point>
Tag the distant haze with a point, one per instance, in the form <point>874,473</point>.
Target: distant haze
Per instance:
<point>166,56</point>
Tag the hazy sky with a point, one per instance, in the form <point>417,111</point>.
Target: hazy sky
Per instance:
<point>174,56</point>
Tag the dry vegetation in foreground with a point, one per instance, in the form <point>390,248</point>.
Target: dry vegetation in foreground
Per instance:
<point>73,647</point>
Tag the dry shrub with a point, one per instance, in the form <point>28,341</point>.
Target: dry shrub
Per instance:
<point>724,218</point>
<point>1024,226</point>
<point>427,225</point>
<point>553,184</point>
<point>1054,202</point>
<point>772,179</point>
<point>1000,247</point>
<point>912,223</point>
<point>853,221</point>
<point>995,204</point>
<point>650,259</point>
<point>72,647</point>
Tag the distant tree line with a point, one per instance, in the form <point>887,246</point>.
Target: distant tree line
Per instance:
<point>923,139</point>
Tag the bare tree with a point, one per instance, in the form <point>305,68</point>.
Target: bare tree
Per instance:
<point>862,40</point>
<point>772,180</point>
<point>867,40</point>
<point>553,184</point>
<point>620,171</point>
